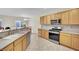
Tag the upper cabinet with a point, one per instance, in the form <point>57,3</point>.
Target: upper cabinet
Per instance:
<point>45,19</point>
<point>74,16</point>
<point>48,19</point>
<point>52,16</point>
<point>58,16</point>
<point>65,18</point>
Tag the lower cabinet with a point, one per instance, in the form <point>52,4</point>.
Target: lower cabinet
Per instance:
<point>70,40</point>
<point>75,42</point>
<point>18,45</point>
<point>65,39</point>
<point>25,43</point>
<point>46,34</point>
<point>43,33</point>
<point>8,48</point>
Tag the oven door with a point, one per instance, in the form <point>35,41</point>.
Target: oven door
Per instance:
<point>54,36</point>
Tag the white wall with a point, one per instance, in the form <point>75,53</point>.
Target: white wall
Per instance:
<point>10,20</point>
<point>35,23</point>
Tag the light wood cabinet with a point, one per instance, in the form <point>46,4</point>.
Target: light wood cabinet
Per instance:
<point>52,16</point>
<point>9,47</point>
<point>25,43</point>
<point>70,40</point>
<point>46,34</point>
<point>18,44</point>
<point>48,19</point>
<point>65,18</point>
<point>75,42</point>
<point>58,16</point>
<point>45,20</point>
<point>18,47</point>
<point>74,16</point>
<point>42,33</point>
<point>65,39</point>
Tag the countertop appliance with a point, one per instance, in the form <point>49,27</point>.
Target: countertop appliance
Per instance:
<point>54,35</point>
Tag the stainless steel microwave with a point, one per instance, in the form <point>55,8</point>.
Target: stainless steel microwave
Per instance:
<point>56,21</point>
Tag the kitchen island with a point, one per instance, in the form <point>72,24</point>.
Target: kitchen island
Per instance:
<point>17,41</point>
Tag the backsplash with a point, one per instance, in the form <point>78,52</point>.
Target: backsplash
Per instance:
<point>47,27</point>
<point>73,28</point>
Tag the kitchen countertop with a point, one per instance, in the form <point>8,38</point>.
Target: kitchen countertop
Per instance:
<point>11,38</point>
<point>71,32</point>
<point>10,29</point>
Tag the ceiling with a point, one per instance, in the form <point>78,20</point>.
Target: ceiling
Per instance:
<point>28,12</point>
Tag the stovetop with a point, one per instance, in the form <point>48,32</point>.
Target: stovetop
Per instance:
<point>55,30</point>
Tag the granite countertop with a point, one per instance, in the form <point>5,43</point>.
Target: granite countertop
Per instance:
<point>10,29</point>
<point>4,31</point>
<point>11,38</point>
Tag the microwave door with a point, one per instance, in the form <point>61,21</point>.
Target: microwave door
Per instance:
<point>53,22</point>
<point>56,21</point>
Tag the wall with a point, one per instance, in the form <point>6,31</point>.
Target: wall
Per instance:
<point>47,27</point>
<point>35,24</point>
<point>73,28</point>
<point>10,20</point>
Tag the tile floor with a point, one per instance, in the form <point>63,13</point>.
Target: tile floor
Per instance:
<point>40,44</point>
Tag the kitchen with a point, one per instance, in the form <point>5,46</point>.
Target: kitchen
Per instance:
<point>61,28</point>
<point>51,29</point>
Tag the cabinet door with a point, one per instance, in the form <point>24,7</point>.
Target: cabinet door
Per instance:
<point>45,20</point>
<point>65,18</point>
<point>52,17</point>
<point>48,19</point>
<point>25,41</point>
<point>74,16</point>
<point>18,47</point>
<point>65,39</point>
<point>18,44</point>
<point>43,33</point>
<point>46,34</point>
<point>58,16</point>
<point>75,41</point>
<point>9,47</point>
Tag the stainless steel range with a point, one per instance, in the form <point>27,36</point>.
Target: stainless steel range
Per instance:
<point>54,35</point>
